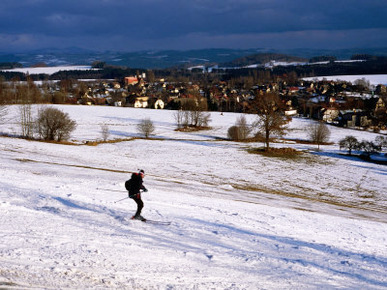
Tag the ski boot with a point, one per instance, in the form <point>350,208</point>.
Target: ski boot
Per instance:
<point>139,217</point>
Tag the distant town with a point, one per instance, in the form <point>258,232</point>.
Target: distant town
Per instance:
<point>356,103</point>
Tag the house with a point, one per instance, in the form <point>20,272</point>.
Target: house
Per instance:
<point>313,105</point>
<point>116,85</point>
<point>141,102</point>
<point>353,118</point>
<point>131,80</point>
<point>381,104</point>
<point>156,103</point>
<point>290,111</point>
<point>293,91</point>
<point>380,112</point>
<point>330,114</point>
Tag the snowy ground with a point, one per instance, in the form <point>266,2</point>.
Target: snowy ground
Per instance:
<point>239,220</point>
<point>376,79</point>
<point>48,70</point>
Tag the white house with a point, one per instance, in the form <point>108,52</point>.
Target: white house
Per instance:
<point>141,102</point>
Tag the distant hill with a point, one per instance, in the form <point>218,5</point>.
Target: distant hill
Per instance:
<point>141,59</point>
<point>262,58</point>
<point>159,59</point>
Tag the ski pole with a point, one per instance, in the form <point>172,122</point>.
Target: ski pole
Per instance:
<point>121,199</point>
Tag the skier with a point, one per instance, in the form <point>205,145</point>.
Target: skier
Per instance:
<point>134,187</point>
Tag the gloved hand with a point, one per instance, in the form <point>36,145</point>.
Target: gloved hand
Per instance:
<point>145,190</point>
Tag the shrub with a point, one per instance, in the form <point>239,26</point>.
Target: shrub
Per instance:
<point>233,133</point>
<point>53,124</point>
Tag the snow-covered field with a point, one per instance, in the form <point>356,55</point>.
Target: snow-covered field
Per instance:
<point>48,70</point>
<point>378,79</point>
<point>238,220</point>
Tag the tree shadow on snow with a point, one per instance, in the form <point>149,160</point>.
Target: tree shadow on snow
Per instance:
<point>359,162</point>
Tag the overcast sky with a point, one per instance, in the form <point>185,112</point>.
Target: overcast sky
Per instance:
<point>127,25</point>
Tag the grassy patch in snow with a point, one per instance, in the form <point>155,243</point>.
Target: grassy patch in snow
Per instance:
<point>73,165</point>
<point>285,153</point>
<point>192,128</point>
<point>368,205</point>
<point>9,284</point>
<point>95,143</point>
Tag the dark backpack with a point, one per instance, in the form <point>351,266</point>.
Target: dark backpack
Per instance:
<point>129,183</point>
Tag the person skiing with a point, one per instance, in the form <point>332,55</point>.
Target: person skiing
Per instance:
<point>134,186</point>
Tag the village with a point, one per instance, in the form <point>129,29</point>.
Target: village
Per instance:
<point>340,103</point>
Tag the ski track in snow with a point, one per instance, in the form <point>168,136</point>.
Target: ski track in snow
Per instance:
<point>238,220</point>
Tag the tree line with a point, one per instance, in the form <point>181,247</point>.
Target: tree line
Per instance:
<point>351,143</point>
<point>101,70</point>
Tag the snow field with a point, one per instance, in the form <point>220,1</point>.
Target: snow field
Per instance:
<point>239,221</point>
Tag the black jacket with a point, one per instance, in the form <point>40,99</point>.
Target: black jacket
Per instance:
<point>135,184</point>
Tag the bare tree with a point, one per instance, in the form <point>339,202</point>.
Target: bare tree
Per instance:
<point>368,148</point>
<point>363,83</point>
<point>26,120</point>
<point>319,133</point>
<point>53,124</point>
<point>181,118</point>
<point>146,127</point>
<point>193,114</point>
<point>202,119</point>
<point>3,99</point>
<point>105,132</point>
<point>240,131</point>
<point>271,118</point>
<point>350,143</point>
<point>244,128</point>
<point>27,97</point>
<point>3,112</point>
<point>197,112</point>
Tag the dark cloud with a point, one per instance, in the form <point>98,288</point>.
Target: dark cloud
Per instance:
<point>180,24</point>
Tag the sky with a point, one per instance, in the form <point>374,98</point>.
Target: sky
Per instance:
<point>127,25</point>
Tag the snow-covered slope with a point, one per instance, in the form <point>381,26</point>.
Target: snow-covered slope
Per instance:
<point>239,220</point>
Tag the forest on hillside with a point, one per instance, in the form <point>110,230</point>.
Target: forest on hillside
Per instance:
<point>313,68</point>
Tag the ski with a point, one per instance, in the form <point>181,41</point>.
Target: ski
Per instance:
<point>157,222</point>
<point>164,223</point>
<point>142,219</point>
